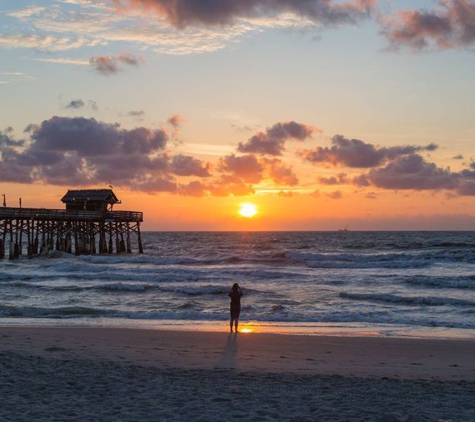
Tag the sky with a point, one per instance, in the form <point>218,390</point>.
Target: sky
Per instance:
<point>324,114</point>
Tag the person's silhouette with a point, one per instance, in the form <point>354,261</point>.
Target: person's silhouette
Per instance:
<point>235,308</point>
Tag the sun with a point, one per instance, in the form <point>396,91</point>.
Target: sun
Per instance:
<point>247,210</point>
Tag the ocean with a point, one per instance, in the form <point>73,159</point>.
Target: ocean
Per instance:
<point>346,283</point>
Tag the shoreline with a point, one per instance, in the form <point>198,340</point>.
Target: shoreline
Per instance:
<point>347,329</point>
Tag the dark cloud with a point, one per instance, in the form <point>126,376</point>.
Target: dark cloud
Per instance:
<point>358,154</point>
<point>450,26</point>
<point>154,184</point>
<point>136,113</point>
<point>85,152</point>
<point>457,157</point>
<point>411,172</point>
<point>252,169</point>
<point>76,104</point>
<point>183,13</point>
<point>88,137</point>
<point>467,187</point>
<point>183,165</point>
<point>14,173</point>
<point>339,179</point>
<point>247,167</point>
<point>93,105</point>
<point>110,65</point>
<point>80,151</point>
<point>7,140</point>
<point>272,141</point>
<point>194,188</point>
<point>362,180</point>
<point>143,140</point>
<point>415,173</point>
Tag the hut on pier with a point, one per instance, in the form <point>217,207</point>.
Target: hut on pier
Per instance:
<point>87,225</point>
<point>90,200</point>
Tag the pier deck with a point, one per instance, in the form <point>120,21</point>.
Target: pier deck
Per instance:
<point>72,231</point>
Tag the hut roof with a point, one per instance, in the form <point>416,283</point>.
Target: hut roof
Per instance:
<point>103,195</point>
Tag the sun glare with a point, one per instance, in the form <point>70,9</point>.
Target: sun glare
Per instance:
<point>247,210</point>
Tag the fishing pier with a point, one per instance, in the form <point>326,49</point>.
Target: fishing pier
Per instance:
<point>88,225</point>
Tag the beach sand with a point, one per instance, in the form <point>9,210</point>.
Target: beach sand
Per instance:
<point>122,374</point>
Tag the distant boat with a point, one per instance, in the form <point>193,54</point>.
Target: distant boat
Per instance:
<point>344,230</point>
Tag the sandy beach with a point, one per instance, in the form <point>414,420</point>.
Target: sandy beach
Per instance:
<point>118,374</point>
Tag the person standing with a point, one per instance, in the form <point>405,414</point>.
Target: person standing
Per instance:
<point>235,308</point>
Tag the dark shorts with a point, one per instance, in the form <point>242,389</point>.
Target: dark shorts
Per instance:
<point>235,312</point>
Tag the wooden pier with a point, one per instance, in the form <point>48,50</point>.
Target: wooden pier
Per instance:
<point>93,229</point>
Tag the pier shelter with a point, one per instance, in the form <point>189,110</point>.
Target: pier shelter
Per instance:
<point>88,225</point>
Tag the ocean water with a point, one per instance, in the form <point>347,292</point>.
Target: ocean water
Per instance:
<point>383,283</point>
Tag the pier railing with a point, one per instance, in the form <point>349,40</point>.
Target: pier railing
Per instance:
<point>41,214</point>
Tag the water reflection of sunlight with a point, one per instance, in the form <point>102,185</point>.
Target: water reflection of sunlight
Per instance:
<point>246,330</point>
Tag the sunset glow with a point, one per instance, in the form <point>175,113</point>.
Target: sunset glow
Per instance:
<point>247,210</point>
<point>188,110</point>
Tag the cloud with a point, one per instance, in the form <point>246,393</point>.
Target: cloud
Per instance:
<point>136,114</point>
<point>176,122</point>
<point>155,184</point>
<point>272,141</point>
<point>88,137</point>
<point>175,27</point>
<point>230,185</point>
<point>183,13</point>
<point>194,188</point>
<point>79,104</point>
<point>252,169</point>
<point>7,140</point>
<point>358,154</point>
<point>183,165</point>
<point>410,172</point>
<point>75,104</point>
<point>339,179</point>
<point>110,65</point>
<point>395,168</point>
<point>335,195</point>
<point>48,43</point>
<point>247,167</point>
<point>451,26</point>
<point>83,151</point>
<point>281,173</point>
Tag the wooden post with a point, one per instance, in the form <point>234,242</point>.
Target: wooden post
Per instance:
<point>139,238</point>
<point>110,239</point>
<point>11,252</point>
